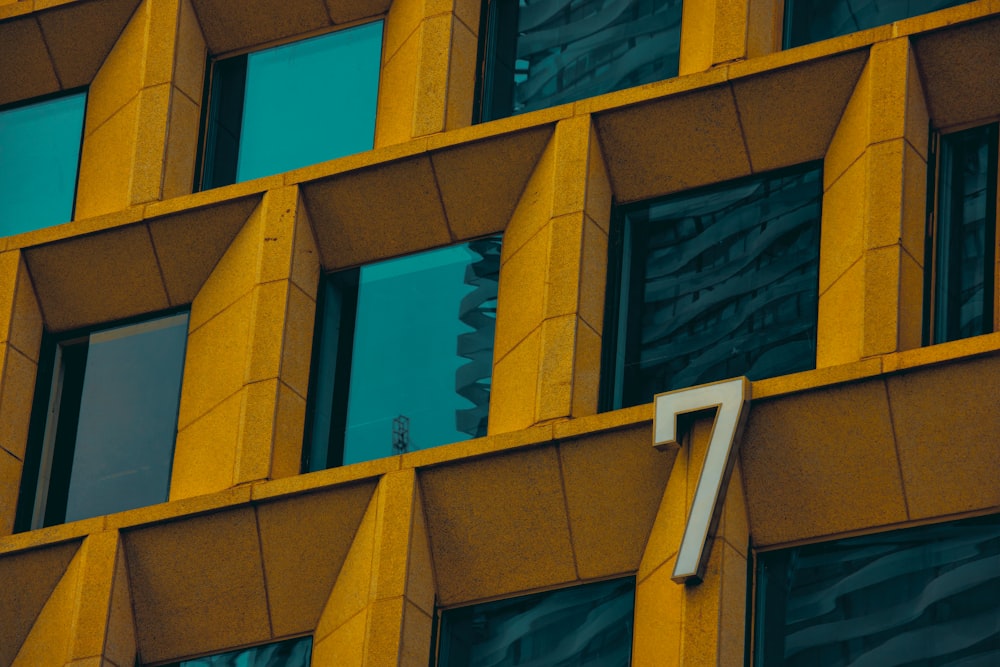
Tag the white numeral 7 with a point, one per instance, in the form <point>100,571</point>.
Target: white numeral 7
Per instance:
<point>731,398</point>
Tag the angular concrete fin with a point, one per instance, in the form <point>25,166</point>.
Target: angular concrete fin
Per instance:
<point>48,642</point>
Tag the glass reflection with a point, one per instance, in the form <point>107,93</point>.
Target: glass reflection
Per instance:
<point>583,626</point>
<point>39,157</point>
<point>808,21</point>
<point>922,596</point>
<point>288,653</point>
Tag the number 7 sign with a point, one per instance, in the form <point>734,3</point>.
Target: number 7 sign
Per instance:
<point>731,401</point>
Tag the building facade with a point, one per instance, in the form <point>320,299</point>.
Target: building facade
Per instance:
<point>330,332</point>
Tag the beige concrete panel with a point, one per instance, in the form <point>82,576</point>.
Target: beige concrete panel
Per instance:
<point>534,206</point>
<point>945,422</point>
<point>672,144</point>
<point>189,245</point>
<point>498,525</point>
<point>48,643</point>
<point>881,301</point>
<point>237,24</point>
<point>480,182</point>
<point>96,563</point>
<point>884,219</point>
<point>789,115</point>
<point>659,610</point>
<point>296,352</point>
<point>403,21</point>
<point>844,217</point>
<point>215,363</point>
<point>74,278</point>
<point>917,115</point>
<point>120,77</point>
<point>27,326</point>
<point>914,194</point>
<point>732,606</point>
<point>345,645</point>
<point>10,267</point>
<point>305,540</point>
<point>306,265</point>
<point>105,181</point>
<point>617,474</point>
<point>958,61</point>
<point>28,579</point>
<point>889,64</point>
<point>852,135</point>
<point>17,392</point>
<point>342,11</point>
<point>563,270</point>
<point>697,37</point>
<point>556,357</point>
<point>764,21</point>
<point>515,386</point>
<point>163,34</point>
<point>821,462</point>
<point>599,195</point>
<point>731,31</point>
<point>10,485</point>
<point>572,139</point>
<point>254,447</point>
<point>394,524</point>
<point>521,293</point>
<point>586,371</point>
<point>385,624</point>
<point>182,145</point>
<point>421,587</point>
<point>27,71</point>
<point>700,636</point>
<point>841,319</point>
<point>593,275</point>
<point>461,75</point>
<point>150,148</point>
<point>77,60</point>
<point>289,427</point>
<point>408,199</point>
<point>197,585</point>
<point>397,94</point>
<point>235,274</point>
<point>734,523</point>
<point>120,644</point>
<point>267,330</point>
<point>189,63</point>
<point>205,451</point>
<point>911,303</point>
<point>418,632</point>
<point>430,105</point>
<point>279,213</point>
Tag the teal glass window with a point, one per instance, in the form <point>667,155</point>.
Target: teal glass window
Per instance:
<point>962,247</point>
<point>540,53</point>
<point>808,21</point>
<point>105,421</point>
<point>404,354</point>
<point>924,596</point>
<point>289,653</point>
<point>582,626</point>
<point>40,144</point>
<point>291,105</point>
<point>713,283</point>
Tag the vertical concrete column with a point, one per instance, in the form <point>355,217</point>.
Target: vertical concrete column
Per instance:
<point>714,32</point>
<point>151,81</point>
<point>693,624</point>
<point>428,68</point>
<point>20,343</point>
<point>872,248</point>
<point>246,371</point>
<point>381,608</point>
<point>546,359</point>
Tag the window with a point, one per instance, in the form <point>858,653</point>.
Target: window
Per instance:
<point>713,283</point>
<point>288,653</point>
<point>291,105</point>
<point>102,440</point>
<point>540,53</point>
<point>920,596</point>
<point>960,288</point>
<point>404,354</point>
<point>808,21</point>
<point>39,155</point>
<point>583,625</point>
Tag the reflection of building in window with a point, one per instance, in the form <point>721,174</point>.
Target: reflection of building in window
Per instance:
<point>103,440</point>
<point>288,653</point>
<point>713,283</point>
<point>923,596</point>
<point>583,625</point>
<point>411,336</point>
<point>808,21</point>
<point>961,255</point>
<point>543,53</point>
<point>39,155</point>
<point>292,105</point>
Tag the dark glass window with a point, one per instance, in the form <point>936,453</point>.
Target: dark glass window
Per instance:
<point>292,105</point>
<point>713,283</point>
<point>540,53</point>
<point>961,249</point>
<point>39,156</point>
<point>404,354</point>
<point>288,653</point>
<point>808,21</point>
<point>922,596</point>
<point>103,437</point>
<point>583,626</point>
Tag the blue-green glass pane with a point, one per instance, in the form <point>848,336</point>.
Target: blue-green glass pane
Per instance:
<point>128,417</point>
<point>310,101</point>
<point>423,349</point>
<point>721,282</point>
<point>808,21</point>
<point>583,626</point>
<point>921,597</point>
<point>289,653</point>
<point>39,156</point>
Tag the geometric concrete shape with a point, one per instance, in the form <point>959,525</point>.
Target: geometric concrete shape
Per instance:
<point>236,24</point>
